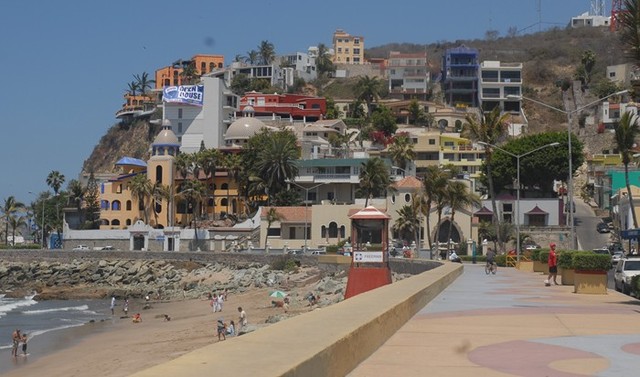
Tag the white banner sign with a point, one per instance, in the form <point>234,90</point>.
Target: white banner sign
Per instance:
<point>368,257</point>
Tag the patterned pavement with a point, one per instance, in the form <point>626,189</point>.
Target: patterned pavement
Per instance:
<point>510,324</point>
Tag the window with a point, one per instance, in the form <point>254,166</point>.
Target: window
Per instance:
<point>203,67</point>
<point>115,222</point>
<point>432,141</point>
<point>224,186</point>
<point>179,127</point>
<point>128,222</point>
<point>273,232</point>
<point>507,207</point>
<point>119,189</point>
<point>115,206</point>
<point>128,205</point>
<point>407,198</point>
<point>612,74</point>
<point>212,66</point>
<point>333,230</point>
<point>104,204</point>
<point>158,174</point>
<point>179,113</point>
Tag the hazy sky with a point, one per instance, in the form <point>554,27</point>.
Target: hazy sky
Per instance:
<point>66,64</point>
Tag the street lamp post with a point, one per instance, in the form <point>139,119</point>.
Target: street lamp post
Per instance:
<point>569,118</point>
<point>517,157</point>
<point>306,203</point>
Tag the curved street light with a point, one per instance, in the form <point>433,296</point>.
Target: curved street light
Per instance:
<point>517,157</point>
<point>569,114</point>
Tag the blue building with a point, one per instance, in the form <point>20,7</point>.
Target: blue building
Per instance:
<point>460,76</point>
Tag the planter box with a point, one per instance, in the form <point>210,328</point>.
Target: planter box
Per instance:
<point>567,276</point>
<point>540,267</point>
<point>590,282</point>
<point>525,266</point>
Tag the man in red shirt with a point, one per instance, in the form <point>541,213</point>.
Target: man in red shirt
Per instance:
<point>553,265</point>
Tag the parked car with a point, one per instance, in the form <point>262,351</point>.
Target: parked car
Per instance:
<point>626,269</point>
<point>81,247</point>
<point>603,228</point>
<point>602,250</point>
<point>616,257</point>
<point>108,248</point>
<point>532,246</point>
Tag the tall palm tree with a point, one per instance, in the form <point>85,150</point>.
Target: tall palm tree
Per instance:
<point>55,179</point>
<point>323,60</point>
<point>143,82</point>
<point>267,52</point>
<point>626,132</point>
<point>76,195</point>
<point>163,193</point>
<point>141,188</point>
<point>277,160</point>
<point>10,208</point>
<point>190,74</point>
<point>16,221</point>
<point>434,182</point>
<point>343,141</point>
<point>132,88</point>
<point>374,179</point>
<point>272,217</point>
<point>252,57</point>
<point>208,160</point>
<point>401,151</point>
<point>489,128</point>
<point>233,163</point>
<point>458,197</point>
<point>407,222</point>
<point>368,89</point>
<point>629,21</point>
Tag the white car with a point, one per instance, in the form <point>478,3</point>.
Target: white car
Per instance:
<point>616,257</point>
<point>81,247</point>
<point>626,269</point>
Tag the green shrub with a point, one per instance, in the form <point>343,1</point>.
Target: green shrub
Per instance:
<point>635,286</point>
<point>469,258</point>
<point>589,261</point>
<point>24,246</point>
<point>565,259</point>
<point>332,249</point>
<point>543,256</point>
<point>501,260</point>
<point>285,263</point>
<point>534,254</point>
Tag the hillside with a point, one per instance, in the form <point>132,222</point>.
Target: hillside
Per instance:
<point>548,57</point>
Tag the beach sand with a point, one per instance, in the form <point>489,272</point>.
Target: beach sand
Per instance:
<point>121,347</point>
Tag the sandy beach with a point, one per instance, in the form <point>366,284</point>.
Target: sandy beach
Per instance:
<point>121,347</point>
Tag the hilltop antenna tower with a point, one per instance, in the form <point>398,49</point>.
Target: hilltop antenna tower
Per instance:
<point>597,7</point>
<point>616,10</point>
<point>539,15</point>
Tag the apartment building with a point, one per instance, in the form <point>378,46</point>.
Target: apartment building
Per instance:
<point>500,86</point>
<point>408,75</point>
<point>172,75</point>
<point>460,76</point>
<point>347,49</point>
<point>285,106</point>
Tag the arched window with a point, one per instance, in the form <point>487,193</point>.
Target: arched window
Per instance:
<point>104,204</point>
<point>128,222</point>
<point>104,222</point>
<point>158,174</point>
<point>212,66</point>
<point>219,65</point>
<point>158,206</point>
<point>342,232</point>
<point>210,202</point>
<point>323,232</point>
<point>115,222</point>
<point>128,205</point>
<point>224,202</point>
<point>333,230</point>
<point>224,186</point>
<point>203,68</point>
<point>115,206</point>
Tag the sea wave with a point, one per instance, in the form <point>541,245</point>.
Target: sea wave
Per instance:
<point>7,306</point>
<point>65,309</point>
<point>34,333</point>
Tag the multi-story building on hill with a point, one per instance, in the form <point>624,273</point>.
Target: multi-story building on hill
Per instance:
<point>285,106</point>
<point>200,63</point>
<point>460,76</point>
<point>500,86</point>
<point>347,49</point>
<point>408,75</point>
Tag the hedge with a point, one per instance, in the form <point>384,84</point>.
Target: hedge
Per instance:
<point>535,254</point>
<point>543,256</point>
<point>590,261</point>
<point>30,246</point>
<point>565,259</point>
<point>635,286</point>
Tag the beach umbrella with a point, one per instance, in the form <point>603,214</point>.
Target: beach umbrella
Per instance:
<point>277,294</point>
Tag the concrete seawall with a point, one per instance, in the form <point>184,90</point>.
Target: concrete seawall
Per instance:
<point>328,342</point>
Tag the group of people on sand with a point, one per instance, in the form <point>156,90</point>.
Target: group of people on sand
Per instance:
<point>17,338</point>
<point>223,329</point>
<point>217,300</point>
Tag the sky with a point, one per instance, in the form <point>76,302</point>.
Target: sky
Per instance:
<point>67,63</point>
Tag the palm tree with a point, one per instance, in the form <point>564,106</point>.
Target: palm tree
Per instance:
<point>132,88</point>
<point>143,82</point>
<point>252,57</point>
<point>342,141</point>
<point>277,160</point>
<point>233,163</point>
<point>626,132</point>
<point>76,195</point>
<point>208,159</point>
<point>55,179</point>
<point>368,89</point>
<point>190,74</point>
<point>407,222</point>
<point>142,188</point>
<point>458,197</point>
<point>629,21</point>
<point>16,221</point>
<point>163,193</point>
<point>401,150</point>
<point>10,208</point>
<point>374,179</point>
<point>272,217</point>
<point>434,182</point>
<point>489,129</point>
<point>267,53</point>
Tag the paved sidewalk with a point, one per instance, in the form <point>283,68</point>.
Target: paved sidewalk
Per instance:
<point>510,324</point>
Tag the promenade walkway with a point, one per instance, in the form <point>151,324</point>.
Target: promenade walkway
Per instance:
<point>510,324</point>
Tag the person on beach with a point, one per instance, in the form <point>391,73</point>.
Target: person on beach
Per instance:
<point>16,337</point>
<point>231,329</point>
<point>137,318</point>
<point>553,265</point>
<point>214,302</point>
<point>125,307</point>
<point>242,321</point>
<point>24,344</point>
<point>113,304</point>
<point>220,302</point>
<point>221,330</point>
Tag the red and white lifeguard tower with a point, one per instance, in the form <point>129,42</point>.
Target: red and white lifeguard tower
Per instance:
<point>369,269</point>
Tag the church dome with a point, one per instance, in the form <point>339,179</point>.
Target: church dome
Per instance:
<point>166,136</point>
<point>244,128</point>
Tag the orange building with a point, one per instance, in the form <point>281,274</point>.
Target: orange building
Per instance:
<point>203,64</point>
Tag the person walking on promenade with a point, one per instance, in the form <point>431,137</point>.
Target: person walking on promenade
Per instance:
<point>553,265</point>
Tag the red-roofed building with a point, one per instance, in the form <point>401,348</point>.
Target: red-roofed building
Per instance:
<point>294,106</point>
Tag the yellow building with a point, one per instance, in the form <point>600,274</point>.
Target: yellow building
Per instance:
<point>172,75</point>
<point>347,49</point>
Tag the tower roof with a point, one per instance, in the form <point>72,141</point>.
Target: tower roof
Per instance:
<point>166,135</point>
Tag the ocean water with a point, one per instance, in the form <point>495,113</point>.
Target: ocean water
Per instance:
<point>49,324</point>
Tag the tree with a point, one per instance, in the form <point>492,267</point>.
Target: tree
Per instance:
<point>267,52</point>
<point>208,160</point>
<point>626,132</point>
<point>629,22</point>
<point>272,217</point>
<point>333,112</point>
<point>342,141</point>
<point>132,88</point>
<point>55,179</point>
<point>383,120</point>
<point>16,221</point>
<point>459,197</point>
<point>417,115</point>
<point>240,84</point>
<point>491,35</point>
<point>141,188</point>
<point>92,200</point>
<point>374,179</point>
<point>233,163</point>
<point>324,65</point>
<point>10,208</point>
<point>434,181</point>
<point>407,224</point>
<point>252,57</point>
<point>76,195</point>
<point>490,129</point>
<point>401,150</point>
<point>163,192</point>
<point>190,74</point>
<point>368,89</point>
<point>143,83</point>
